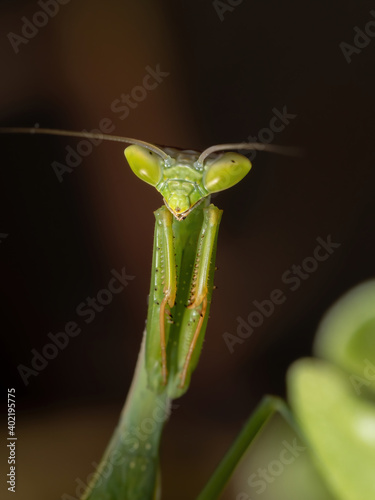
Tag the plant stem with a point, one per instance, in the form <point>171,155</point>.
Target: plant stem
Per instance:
<point>266,408</point>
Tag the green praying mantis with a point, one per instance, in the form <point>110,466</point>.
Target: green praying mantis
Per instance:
<point>185,240</point>
<point>183,265</point>
<point>338,426</point>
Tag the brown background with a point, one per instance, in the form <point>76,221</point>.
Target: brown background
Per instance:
<point>225,78</point>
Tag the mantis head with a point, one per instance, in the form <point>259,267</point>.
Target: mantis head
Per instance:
<point>185,178</point>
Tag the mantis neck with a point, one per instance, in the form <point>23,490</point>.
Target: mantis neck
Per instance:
<point>130,466</point>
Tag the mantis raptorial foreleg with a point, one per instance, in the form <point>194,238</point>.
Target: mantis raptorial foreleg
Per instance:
<point>168,277</point>
<point>162,295</point>
<point>183,267</point>
<point>202,278</point>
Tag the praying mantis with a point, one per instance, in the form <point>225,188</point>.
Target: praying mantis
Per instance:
<point>185,241</point>
<point>183,265</point>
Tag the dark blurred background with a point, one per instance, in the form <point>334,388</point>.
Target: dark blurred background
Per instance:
<point>226,69</point>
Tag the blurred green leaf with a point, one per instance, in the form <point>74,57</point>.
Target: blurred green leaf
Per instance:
<point>346,335</point>
<point>326,396</point>
<point>339,426</point>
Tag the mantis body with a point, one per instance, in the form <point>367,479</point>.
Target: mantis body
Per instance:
<point>183,264</point>
<point>185,241</point>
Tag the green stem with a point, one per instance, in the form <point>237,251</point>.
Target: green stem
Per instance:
<point>267,407</point>
<point>129,469</point>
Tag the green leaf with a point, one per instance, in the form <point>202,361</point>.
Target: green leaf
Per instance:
<point>338,425</point>
<point>346,335</point>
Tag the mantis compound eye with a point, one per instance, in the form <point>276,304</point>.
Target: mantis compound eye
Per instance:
<point>146,164</point>
<point>225,172</point>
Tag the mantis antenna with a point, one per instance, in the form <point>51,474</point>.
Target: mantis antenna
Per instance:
<point>289,151</point>
<point>85,135</point>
